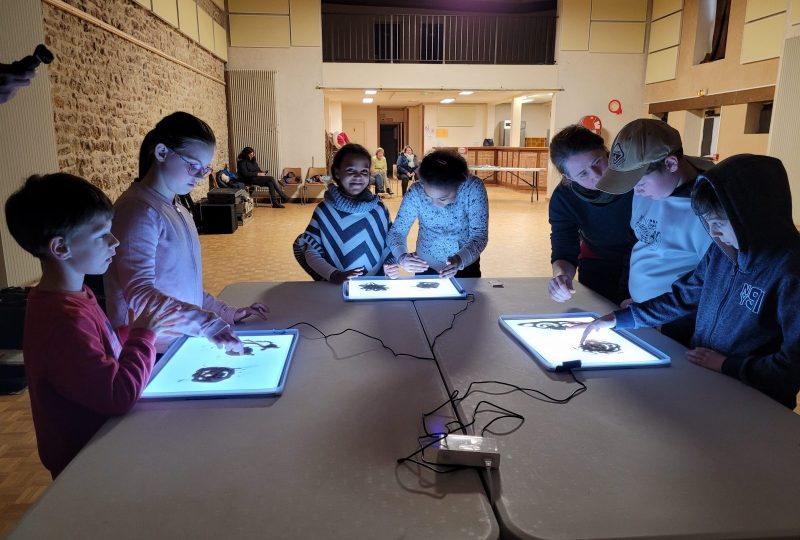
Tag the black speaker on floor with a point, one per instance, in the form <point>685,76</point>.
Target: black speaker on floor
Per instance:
<point>218,218</point>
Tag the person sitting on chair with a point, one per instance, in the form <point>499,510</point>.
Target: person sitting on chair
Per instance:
<point>407,167</point>
<point>378,172</point>
<point>251,174</point>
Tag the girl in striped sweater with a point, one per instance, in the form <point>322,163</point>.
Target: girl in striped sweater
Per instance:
<point>347,233</point>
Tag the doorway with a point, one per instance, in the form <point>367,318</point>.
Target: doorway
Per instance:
<point>390,137</point>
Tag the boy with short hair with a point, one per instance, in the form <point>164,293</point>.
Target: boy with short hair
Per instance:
<point>747,287</point>
<point>647,156</point>
<point>78,372</point>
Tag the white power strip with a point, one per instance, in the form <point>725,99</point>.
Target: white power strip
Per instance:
<point>467,450</point>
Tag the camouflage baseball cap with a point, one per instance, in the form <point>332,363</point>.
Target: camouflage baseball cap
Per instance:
<point>635,147</point>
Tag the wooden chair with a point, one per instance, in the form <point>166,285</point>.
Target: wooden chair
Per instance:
<point>294,191</point>
<point>314,192</point>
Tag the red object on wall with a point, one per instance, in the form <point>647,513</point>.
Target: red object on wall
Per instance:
<point>342,139</point>
<point>592,123</point>
<point>615,106</point>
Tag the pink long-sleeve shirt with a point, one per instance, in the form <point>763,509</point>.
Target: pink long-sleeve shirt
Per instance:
<point>158,257</point>
<point>78,373</point>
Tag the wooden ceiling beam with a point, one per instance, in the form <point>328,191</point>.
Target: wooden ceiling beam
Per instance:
<point>765,93</point>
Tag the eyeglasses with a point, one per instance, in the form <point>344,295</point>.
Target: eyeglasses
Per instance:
<point>194,169</point>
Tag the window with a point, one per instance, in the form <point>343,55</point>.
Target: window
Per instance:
<point>759,117</point>
<point>712,30</point>
<point>708,146</point>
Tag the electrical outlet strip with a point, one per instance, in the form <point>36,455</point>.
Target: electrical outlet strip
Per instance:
<point>467,450</point>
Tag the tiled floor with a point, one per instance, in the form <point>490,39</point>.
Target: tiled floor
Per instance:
<point>262,251</point>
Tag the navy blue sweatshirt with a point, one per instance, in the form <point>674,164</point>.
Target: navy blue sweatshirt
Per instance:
<point>747,300</point>
<point>603,224</point>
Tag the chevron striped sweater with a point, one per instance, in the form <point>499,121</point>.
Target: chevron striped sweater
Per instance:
<point>344,233</point>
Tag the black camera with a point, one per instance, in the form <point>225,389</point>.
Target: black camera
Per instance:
<point>41,55</point>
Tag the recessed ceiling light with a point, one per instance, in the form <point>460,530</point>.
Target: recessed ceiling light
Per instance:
<point>366,100</point>
<point>447,100</point>
<point>550,94</point>
<point>466,93</point>
<point>370,92</point>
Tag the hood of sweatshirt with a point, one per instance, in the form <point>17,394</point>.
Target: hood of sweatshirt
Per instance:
<point>754,192</point>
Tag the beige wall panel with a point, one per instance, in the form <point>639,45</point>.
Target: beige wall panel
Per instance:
<point>167,10</point>
<point>220,4</point>
<point>259,31</point>
<point>456,115</point>
<point>794,13</point>
<point>662,8</point>
<point>574,25</point>
<point>146,3</point>
<point>763,39</point>
<point>617,37</point>
<point>758,9</point>
<point>220,41</point>
<point>187,15</point>
<point>306,23</point>
<point>661,65</point>
<point>732,138</point>
<point>619,10</point>
<point>272,7</point>
<point>205,26</point>
<point>665,33</point>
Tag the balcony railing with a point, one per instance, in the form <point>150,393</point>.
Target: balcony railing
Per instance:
<point>439,39</point>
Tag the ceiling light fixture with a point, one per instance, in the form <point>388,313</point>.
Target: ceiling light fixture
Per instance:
<point>367,100</point>
<point>447,100</point>
<point>370,92</point>
<point>466,93</point>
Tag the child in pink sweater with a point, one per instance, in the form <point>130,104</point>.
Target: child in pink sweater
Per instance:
<point>79,370</point>
<point>159,255</point>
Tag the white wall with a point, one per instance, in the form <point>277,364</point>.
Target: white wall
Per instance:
<point>366,118</point>
<point>590,81</point>
<point>27,137</point>
<point>535,115</point>
<point>301,115</point>
<point>456,135</point>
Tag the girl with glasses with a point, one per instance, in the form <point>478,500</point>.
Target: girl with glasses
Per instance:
<point>159,254</point>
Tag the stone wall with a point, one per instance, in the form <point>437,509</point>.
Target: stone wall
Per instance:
<point>108,92</point>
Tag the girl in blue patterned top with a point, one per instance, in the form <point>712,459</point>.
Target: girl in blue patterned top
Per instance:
<point>347,233</point>
<point>453,212</point>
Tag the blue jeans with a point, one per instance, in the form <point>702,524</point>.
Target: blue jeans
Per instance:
<point>379,179</point>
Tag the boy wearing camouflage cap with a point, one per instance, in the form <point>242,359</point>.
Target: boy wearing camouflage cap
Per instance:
<point>647,157</point>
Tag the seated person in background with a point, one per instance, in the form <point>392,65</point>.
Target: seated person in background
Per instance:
<point>453,212</point>
<point>747,287</point>
<point>590,230</point>
<point>290,178</point>
<point>406,168</point>
<point>251,174</point>
<point>379,171</point>
<point>647,156</point>
<point>227,179</point>
<point>80,371</point>
<point>347,233</point>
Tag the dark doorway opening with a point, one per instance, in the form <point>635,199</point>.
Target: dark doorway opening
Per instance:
<point>390,142</point>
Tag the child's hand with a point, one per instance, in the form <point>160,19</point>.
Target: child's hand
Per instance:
<point>158,315</point>
<point>226,339</point>
<point>258,309</point>
<point>560,288</point>
<point>706,357</point>
<point>339,277</point>
<point>606,321</point>
<point>411,263</point>
<point>392,271</point>
<point>451,267</point>
<point>625,303</point>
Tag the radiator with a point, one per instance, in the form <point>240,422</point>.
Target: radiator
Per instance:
<point>254,116</point>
